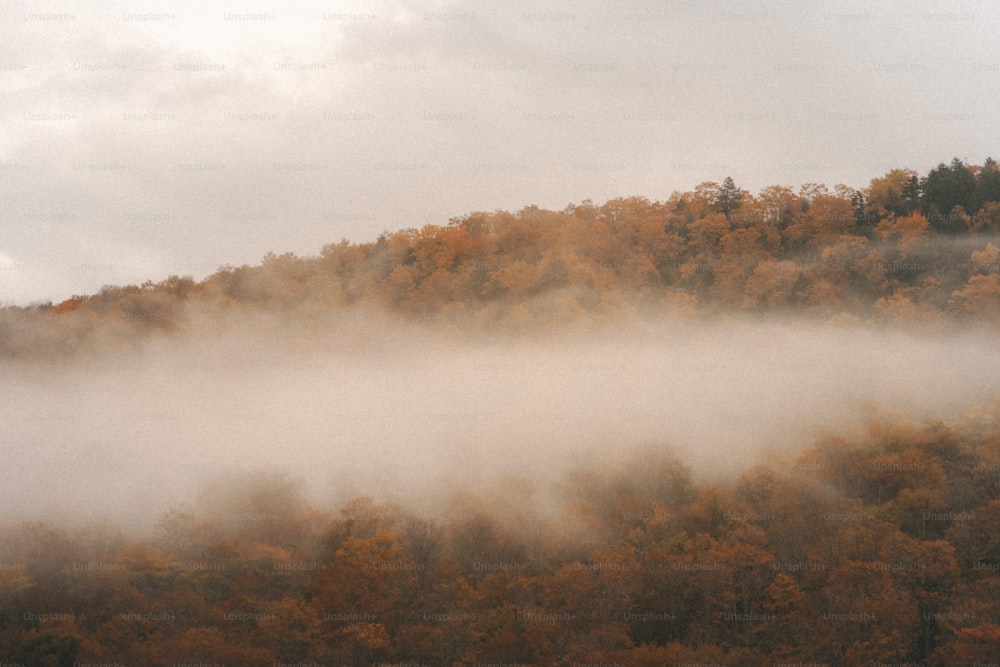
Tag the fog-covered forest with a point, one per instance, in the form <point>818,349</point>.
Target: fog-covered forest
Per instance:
<point>908,248</point>
<point>879,549</point>
<point>725,428</point>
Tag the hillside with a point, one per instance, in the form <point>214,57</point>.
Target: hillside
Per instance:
<point>719,429</point>
<point>904,249</point>
<point>879,550</point>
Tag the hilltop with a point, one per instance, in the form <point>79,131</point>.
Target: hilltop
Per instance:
<point>905,249</point>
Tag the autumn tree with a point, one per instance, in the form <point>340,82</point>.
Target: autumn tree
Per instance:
<point>890,194</point>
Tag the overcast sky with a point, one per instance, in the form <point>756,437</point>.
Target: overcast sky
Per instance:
<point>139,140</point>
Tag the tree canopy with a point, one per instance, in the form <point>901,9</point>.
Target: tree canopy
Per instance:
<point>879,549</point>
<point>887,252</point>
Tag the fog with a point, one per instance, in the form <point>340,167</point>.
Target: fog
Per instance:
<point>361,406</point>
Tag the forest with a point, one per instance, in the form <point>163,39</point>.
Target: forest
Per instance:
<point>905,249</point>
<point>876,544</point>
<point>880,550</point>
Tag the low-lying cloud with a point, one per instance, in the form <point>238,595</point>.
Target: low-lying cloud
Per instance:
<point>369,408</point>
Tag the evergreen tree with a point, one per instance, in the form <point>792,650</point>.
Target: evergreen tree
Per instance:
<point>729,198</point>
<point>946,187</point>
<point>988,183</point>
<point>912,195</point>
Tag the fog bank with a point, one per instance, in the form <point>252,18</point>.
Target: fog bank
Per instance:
<point>404,414</point>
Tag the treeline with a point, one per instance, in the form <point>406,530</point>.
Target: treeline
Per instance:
<point>877,550</point>
<point>904,248</point>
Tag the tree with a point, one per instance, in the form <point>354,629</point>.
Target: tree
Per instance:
<point>364,597</point>
<point>780,206</point>
<point>887,195</point>
<point>772,284</point>
<point>729,198</point>
<point>980,297</point>
<point>58,648</point>
<point>203,645</point>
<point>973,646</point>
<point>988,183</point>
<point>905,232</point>
<point>946,187</point>
<point>704,235</point>
<point>828,217</point>
<point>913,194</point>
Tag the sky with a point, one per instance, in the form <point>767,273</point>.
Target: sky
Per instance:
<point>144,139</point>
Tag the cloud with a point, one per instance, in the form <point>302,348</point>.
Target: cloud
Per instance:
<point>368,407</point>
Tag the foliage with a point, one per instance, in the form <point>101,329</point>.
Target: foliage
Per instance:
<point>880,549</point>
<point>904,248</point>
